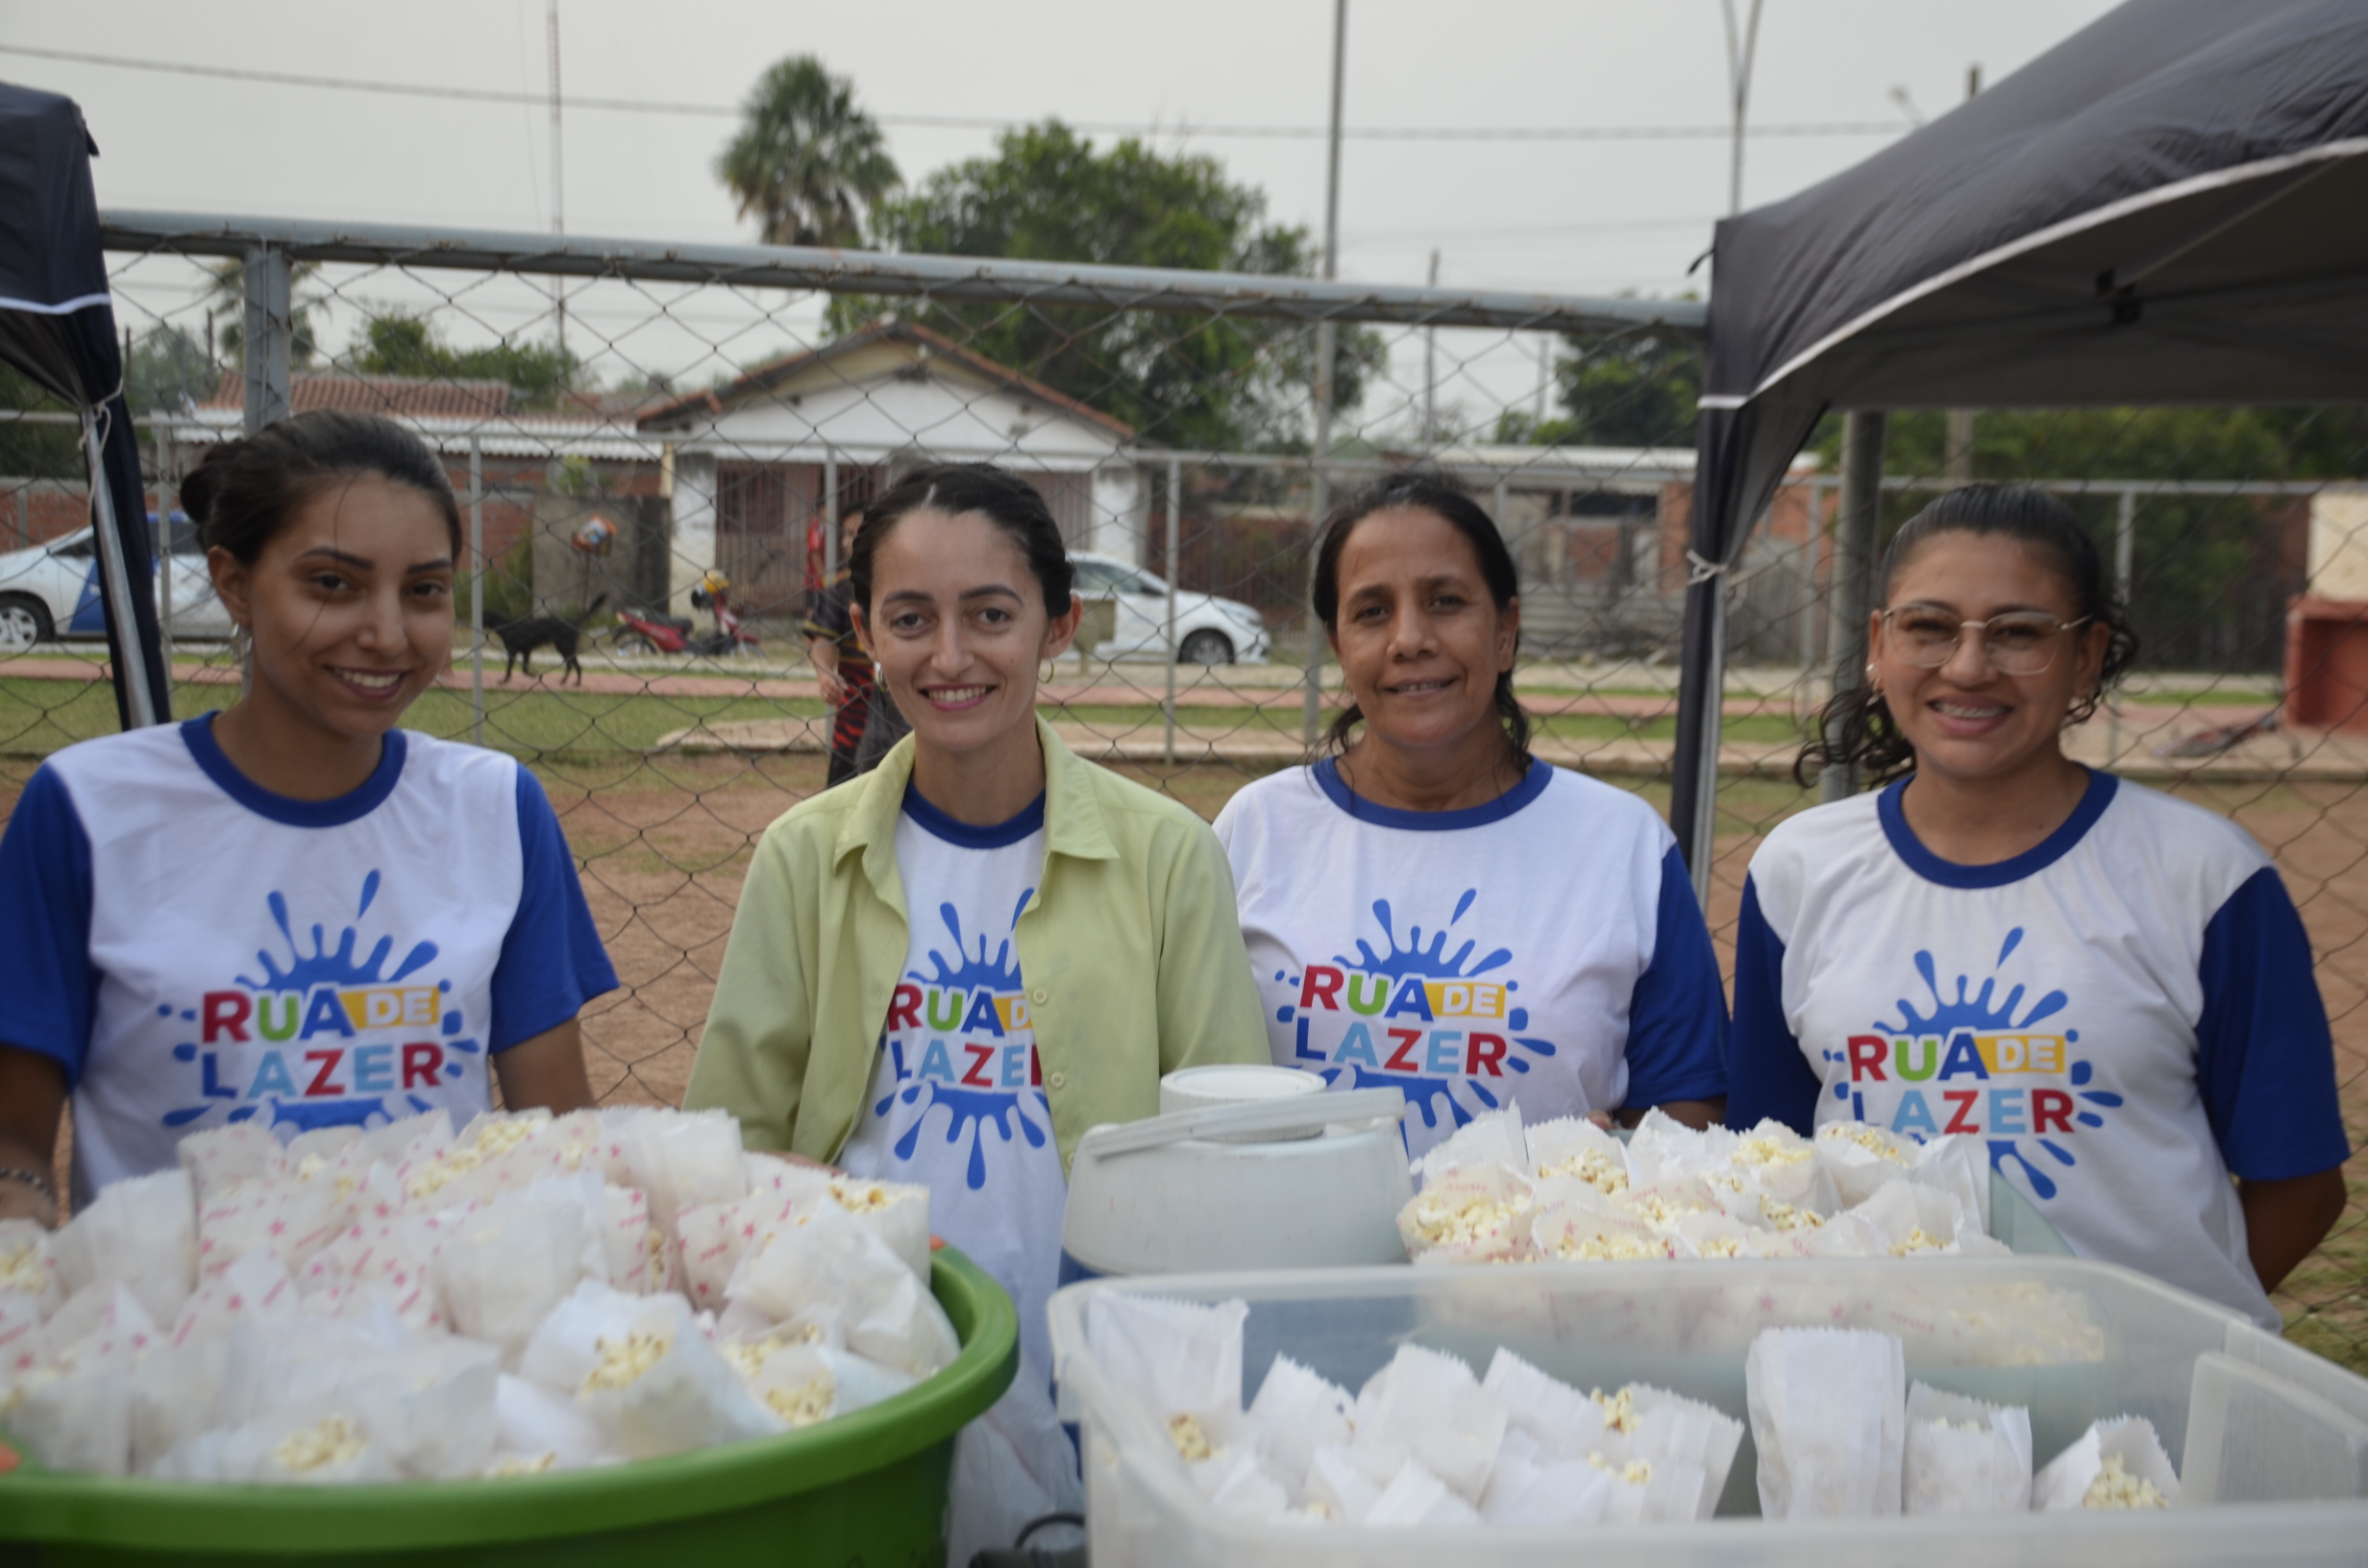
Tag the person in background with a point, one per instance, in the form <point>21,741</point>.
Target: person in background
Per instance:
<point>2108,986</point>
<point>840,667</point>
<point>1434,907</point>
<point>290,911</point>
<point>947,971</point>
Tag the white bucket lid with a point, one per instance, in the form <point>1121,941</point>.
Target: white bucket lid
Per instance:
<point>1195,1089</point>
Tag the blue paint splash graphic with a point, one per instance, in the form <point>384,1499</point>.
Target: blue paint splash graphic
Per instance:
<point>971,1112</point>
<point>1977,1013</point>
<point>1411,956</point>
<point>323,967</point>
<point>301,973</point>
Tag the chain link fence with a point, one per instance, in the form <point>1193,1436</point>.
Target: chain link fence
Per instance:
<point>622,421</point>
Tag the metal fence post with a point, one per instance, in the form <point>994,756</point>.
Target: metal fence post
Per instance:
<point>477,589</point>
<point>1854,565</point>
<point>831,518</point>
<point>164,543</point>
<point>1327,345</point>
<point>2125,536</point>
<point>269,328</point>
<point>1175,655</point>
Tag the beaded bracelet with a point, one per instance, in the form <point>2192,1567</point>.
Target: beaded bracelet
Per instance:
<point>32,1179</point>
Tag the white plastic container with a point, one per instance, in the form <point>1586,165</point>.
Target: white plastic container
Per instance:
<point>2072,1339</point>
<point>1202,1088</point>
<point>1306,1181</point>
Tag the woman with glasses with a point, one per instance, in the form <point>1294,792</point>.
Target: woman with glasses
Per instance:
<point>2108,986</point>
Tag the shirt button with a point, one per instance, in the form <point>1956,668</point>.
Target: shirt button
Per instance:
<point>1059,1080</point>
<point>1038,996</point>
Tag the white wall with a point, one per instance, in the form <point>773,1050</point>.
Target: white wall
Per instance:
<point>694,539</point>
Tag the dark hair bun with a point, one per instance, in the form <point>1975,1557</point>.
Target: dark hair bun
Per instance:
<point>244,491</point>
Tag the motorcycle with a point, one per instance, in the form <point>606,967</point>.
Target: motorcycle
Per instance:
<point>640,632</point>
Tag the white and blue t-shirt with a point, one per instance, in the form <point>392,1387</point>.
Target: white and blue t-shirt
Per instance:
<point>1543,948</point>
<point>957,1100</point>
<point>195,950</point>
<point>2126,1014</point>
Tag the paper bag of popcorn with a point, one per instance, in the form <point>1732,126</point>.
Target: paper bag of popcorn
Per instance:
<point>2117,1464</point>
<point>1828,1413</point>
<point>1963,1456</point>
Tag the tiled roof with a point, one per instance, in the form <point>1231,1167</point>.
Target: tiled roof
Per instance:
<point>764,377</point>
<point>394,395</point>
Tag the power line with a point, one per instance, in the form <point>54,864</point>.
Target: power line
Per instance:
<point>979,122</point>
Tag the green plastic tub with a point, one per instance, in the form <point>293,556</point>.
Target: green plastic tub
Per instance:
<point>869,1488</point>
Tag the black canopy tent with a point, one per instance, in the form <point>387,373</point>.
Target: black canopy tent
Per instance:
<point>56,326</point>
<point>2171,207</point>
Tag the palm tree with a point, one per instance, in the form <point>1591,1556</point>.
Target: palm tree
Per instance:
<point>810,165</point>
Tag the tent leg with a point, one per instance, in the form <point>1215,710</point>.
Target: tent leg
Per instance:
<point>1853,568</point>
<point>1702,832</point>
<point>139,703</point>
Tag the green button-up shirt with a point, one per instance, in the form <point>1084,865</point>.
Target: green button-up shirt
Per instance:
<point>1131,951</point>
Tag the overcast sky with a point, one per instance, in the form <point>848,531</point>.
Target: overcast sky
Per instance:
<point>1570,216</point>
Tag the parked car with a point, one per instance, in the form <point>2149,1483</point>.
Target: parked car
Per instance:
<point>52,591</point>
<point>1208,630</point>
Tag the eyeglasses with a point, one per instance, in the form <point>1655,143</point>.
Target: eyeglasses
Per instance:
<point>2018,642</point>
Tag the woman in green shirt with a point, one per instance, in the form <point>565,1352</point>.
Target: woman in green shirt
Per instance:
<point>949,969</point>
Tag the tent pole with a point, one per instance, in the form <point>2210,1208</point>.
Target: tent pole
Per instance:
<point>131,662</point>
<point>1702,833</point>
<point>477,590</point>
<point>1854,565</point>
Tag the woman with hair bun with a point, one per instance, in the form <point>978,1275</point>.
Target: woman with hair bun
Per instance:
<point>290,912</point>
<point>1434,909</point>
<point>2108,986</point>
<point>948,968</point>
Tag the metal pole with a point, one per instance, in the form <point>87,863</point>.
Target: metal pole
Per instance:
<point>132,672</point>
<point>1430,373</point>
<point>268,329</point>
<point>558,177</point>
<point>2125,547</point>
<point>1738,82</point>
<point>1807,630</point>
<point>164,544</point>
<point>1956,442</point>
<point>1852,592</point>
<point>831,518</point>
<point>477,589</point>
<point>1176,507</point>
<point>1327,337</point>
<point>1703,832</point>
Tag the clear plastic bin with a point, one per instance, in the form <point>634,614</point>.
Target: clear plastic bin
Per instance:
<point>2072,1339</point>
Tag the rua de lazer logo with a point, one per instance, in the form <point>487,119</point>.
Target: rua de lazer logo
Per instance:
<point>1969,1065</point>
<point>323,1039</point>
<point>962,1037</point>
<point>1414,1016</point>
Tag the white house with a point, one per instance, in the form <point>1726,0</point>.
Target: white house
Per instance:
<point>758,465</point>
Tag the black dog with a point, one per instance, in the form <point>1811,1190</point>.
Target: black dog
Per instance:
<point>522,636</point>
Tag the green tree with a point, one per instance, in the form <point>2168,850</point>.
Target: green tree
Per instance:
<point>808,163</point>
<point>1635,389</point>
<point>401,344</point>
<point>29,450</point>
<point>226,297</point>
<point>1048,194</point>
<point>167,370</point>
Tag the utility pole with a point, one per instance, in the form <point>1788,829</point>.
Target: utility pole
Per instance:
<point>559,176</point>
<point>1327,341</point>
<point>1957,444</point>
<point>1739,50</point>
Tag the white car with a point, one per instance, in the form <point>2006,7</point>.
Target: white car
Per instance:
<point>1208,630</point>
<point>52,590</point>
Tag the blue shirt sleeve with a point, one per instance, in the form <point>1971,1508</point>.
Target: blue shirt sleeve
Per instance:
<point>1766,1073</point>
<point>552,959</point>
<point>45,926</point>
<point>2265,1062</point>
<point>1677,1014</point>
